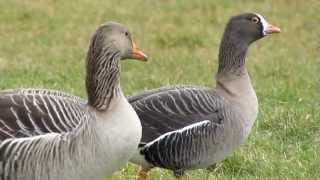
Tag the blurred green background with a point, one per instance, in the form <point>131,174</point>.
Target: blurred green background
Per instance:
<point>43,44</point>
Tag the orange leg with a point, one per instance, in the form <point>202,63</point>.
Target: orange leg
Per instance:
<point>142,173</point>
<point>178,173</point>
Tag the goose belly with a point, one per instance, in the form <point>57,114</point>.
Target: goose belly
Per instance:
<point>226,141</point>
<point>213,155</point>
<point>119,133</point>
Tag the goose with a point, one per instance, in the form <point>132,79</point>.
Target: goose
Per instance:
<point>189,127</point>
<point>50,135</point>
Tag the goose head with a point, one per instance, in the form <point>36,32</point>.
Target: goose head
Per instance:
<point>112,39</point>
<point>239,33</point>
<point>110,43</point>
<point>249,27</point>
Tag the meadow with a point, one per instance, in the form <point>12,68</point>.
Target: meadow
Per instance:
<point>43,44</point>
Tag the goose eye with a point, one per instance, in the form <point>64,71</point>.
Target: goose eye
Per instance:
<point>255,20</point>
<point>126,33</point>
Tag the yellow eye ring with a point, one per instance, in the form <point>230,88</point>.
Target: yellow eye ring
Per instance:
<point>255,20</point>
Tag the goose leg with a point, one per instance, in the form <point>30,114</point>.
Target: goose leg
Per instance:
<point>142,173</point>
<point>212,168</point>
<point>178,174</point>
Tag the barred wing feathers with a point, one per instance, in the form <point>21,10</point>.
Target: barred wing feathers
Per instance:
<point>169,109</point>
<point>30,112</point>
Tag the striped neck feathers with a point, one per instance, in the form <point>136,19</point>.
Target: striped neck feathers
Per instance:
<point>103,75</point>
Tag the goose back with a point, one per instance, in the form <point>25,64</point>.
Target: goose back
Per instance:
<point>30,112</point>
<point>171,108</point>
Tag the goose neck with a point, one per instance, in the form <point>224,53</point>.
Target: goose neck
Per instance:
<point>232,54</point>
<point>232,78</point>
<point>103,79</point>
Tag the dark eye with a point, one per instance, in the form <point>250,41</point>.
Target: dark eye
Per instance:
<point>255,20</point>
<point>126,33</point>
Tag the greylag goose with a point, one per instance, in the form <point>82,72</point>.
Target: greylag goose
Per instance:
<point>50,135</point>
<point>189,127</point>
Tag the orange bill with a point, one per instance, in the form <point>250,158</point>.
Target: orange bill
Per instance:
<point>137,53</point>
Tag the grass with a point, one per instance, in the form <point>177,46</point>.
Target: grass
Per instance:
<point>43,43</point>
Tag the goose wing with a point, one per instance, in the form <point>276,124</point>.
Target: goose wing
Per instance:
<point>30,112</point>
<point>170,109</point>
<point>181,148</point>
<point>31,157</point>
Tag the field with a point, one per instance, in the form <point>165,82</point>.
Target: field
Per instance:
<point>43,44</point>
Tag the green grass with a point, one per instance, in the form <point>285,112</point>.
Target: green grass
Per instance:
<point>43,43</point>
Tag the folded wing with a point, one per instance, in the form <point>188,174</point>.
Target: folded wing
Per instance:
<point>170,109</point>
<point>30,112</point>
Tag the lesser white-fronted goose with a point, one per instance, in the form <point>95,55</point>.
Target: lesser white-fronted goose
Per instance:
<point>189,127</point>
<point>50,135</point>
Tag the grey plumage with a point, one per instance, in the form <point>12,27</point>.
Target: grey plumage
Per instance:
<point>38,111</point>
<point>40,116</point>
<point>48,156</point>
<point>173,108</point>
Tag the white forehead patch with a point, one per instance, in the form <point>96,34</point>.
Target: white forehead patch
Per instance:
<point>265,24</point>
